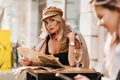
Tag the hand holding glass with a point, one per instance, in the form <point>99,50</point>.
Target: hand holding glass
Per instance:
<point>77,56</point>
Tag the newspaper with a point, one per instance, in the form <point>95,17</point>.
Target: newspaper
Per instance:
<point>40,60</point>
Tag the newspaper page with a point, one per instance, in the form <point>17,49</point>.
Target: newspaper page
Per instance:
<point>40,60</point>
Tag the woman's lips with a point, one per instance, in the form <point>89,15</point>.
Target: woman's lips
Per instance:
<point>51,29</point>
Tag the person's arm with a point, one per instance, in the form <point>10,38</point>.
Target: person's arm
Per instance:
<point>73,43</point>
<point>42,50</point>
<point>80,77</point>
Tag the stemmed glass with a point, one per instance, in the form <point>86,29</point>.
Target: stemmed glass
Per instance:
<point>77,56</point>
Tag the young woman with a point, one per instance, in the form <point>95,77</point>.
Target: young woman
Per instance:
<point>58,39</point>
<point>108,15</point>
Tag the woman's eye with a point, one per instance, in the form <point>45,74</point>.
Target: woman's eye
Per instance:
<point>52,20</point>
<point>46,23</point>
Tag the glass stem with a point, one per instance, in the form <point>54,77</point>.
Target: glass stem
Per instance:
<point>77,66</point>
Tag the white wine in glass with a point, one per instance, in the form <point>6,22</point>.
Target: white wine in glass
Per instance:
<point>77,56</point>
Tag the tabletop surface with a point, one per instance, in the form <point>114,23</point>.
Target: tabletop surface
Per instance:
<point>67,69</point>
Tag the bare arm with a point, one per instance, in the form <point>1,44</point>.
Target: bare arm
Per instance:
<point>71,37</point>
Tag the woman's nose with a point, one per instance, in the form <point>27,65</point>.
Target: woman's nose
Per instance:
<point>100,22</point>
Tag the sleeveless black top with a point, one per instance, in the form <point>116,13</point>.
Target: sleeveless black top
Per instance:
<point>63,57</point>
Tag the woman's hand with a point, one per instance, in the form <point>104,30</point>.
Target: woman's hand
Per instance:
<point>71,36</point>
<point>80,77</point>
<point>25,62</point>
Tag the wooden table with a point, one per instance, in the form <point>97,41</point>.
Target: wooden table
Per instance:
<point>40,74</point>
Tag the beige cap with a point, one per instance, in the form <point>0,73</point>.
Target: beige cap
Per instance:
<point>51,11</point>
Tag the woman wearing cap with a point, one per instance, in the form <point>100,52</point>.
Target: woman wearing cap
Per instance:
<point>108,14</point>
<point>59,39</point>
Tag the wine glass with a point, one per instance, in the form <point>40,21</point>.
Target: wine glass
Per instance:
<point>77,56</point>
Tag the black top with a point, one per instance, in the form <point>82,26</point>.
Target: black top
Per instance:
<point>63,57</point>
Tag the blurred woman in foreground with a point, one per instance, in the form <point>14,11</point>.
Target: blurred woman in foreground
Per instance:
<point>108,14</point>
<point>109,17</point>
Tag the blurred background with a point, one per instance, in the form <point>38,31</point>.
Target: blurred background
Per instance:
<point>20,24</point>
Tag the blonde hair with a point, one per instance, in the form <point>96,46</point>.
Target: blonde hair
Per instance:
<point>115,38</point>
<point>62,38</point>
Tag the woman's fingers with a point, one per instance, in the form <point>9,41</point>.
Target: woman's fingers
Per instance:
<point>25,62</point>
<point>71,35</point>
<point>80,77</point>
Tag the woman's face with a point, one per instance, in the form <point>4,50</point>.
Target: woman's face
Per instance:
<point>51,25</point>
<point>107,18</point>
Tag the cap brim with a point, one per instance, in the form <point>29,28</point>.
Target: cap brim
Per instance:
<point>46,16</point>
